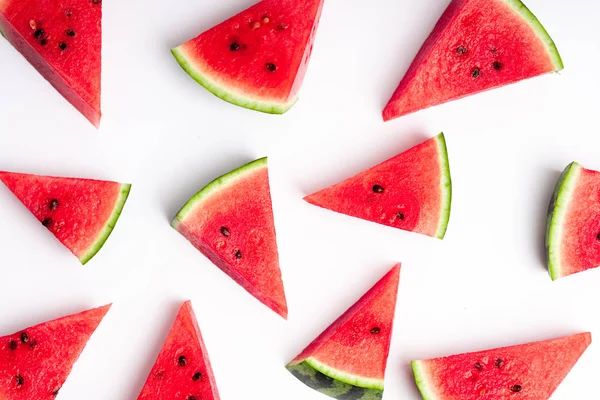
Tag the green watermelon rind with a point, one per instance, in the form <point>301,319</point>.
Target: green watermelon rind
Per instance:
<point>214,187</point>
<point>108,228</point>
<point>341,386</point>
<point>446,187</point>
<point>229,94</point>
<point>537,26</point>
<point>422,381</point>
<point>559,204</point>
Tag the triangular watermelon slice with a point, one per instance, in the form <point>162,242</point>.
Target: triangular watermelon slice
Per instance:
<point>62,39</point>
<point>231,222</point>
<point>573,227</point>
<point>530,371</point>
<point>348,360</point>
<point>36,361</point>
<point>411,191</point>
<point>182,370</point>
<point>258,58</point>
<point>477,45</point>
<point>81,213</point>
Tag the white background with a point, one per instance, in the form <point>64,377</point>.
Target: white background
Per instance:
<point>484,286</point>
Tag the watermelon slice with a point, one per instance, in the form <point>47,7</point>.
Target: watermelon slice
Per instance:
<point>348,360</point>
<point>573,227</point>
<point>36,361</point>
<point>258,58</point>
<point>182,370</point>
<point>231,222</point>
<point>529,371</point>
<point>477,45</point>
<point>62,39</point>
<point>81,213</point>
<point>411,191</point>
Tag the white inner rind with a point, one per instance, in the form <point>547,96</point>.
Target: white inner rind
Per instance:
<point>354,380</point>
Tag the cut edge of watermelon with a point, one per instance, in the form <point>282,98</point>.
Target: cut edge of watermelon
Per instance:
<point>446,187</point>
<point>214,186</point>
<point>422,380</point>
<point>308,374</point>
<point>229,94</point>
<point>559,204</point>
<point>110,225</point>
<point>539,29</point>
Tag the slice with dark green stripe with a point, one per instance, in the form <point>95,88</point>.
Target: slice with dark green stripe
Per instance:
<point>81,213</point>
<point>348,360</point>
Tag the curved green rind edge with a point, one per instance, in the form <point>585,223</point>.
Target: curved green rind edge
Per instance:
<point>446,187</point>
<point>110,225</point>
<point>214,186</point>
<point>229,94</point>
<point>332,387</point>
<point>556,213</point>
<point>421,380</point>
<point>537,26</point>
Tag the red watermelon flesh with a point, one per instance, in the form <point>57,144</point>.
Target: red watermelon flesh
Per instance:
<point>258,58</point>
<point>411,191</point>
<point>62,39</point>
<point>530,371</point>
<point>231,222</point>
<point>477,45</point>
<point>353,351</point>
<point>81,213</point>
<point>182,370</point>
<point>573,228</point>
<point>36,361</point>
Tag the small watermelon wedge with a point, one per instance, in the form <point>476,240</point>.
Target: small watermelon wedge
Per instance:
<point>411,191</point>
<point>231,222</point>
<point>573,224</point>
<point>529,371</point>
<point>477,45</point>
<point>81,213</point>
<point>182,370</point>
<point>348,360</point>
<point>258,58</point>
<point>36,361</point>
<point>62,40</point>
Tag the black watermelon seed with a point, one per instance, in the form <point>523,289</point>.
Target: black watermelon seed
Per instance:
<point>378,189</point>
<point>225,231</point>
<point>96,1</point>
<point>499,363</point>
<point>70,32</point>
<point>197,376</point>
<point>53,204</point>
<point>38,33</point>
<point>271,67</point>
<point>478,366</point>
<point>400,215</point>
<point>375,331</point>
<point>516,388</point>
<point>238,254</point>
<point>497,65</point>
<point>598,236</point>
<point>12,345</point>
<point>234,46</point>
<point>461,50</point>
<point>282,27</point>
<point>476,72</point>
<point>24,337</point>
<point>47,222</point>
<point>19,380</point>
<point>190,397</point>
<point>43,41</point>
<point>182,361</point>
<point>62,46</point>
<point>55,392</point>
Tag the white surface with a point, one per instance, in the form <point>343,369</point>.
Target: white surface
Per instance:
<point>484,286</point>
